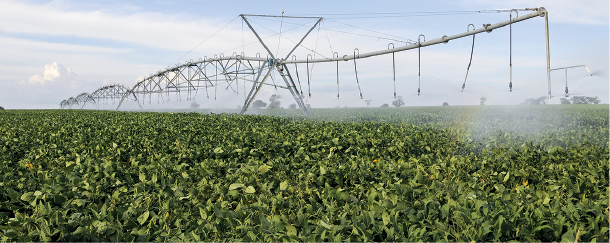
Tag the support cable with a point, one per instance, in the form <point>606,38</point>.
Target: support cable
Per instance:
<point>279,41</point>
<point>275,33</point>
<point>419,62</point>
<point>469,62</point>
<point>243,45</point>
<point>407,39</point>
<point>356,71</point>
<point>372,36</point>
<point>328,39</point>
<point>309,49</point>
<point>205,40</point>
<point>393,69</point>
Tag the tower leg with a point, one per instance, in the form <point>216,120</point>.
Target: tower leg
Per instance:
<point>255,89</point>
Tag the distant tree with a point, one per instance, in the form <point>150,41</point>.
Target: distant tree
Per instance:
<point>292,106</point>
<point>585,100</point>
<point>194,105</point>
<point>535,101</point>
<point>445,103</point>
<point>368,102</point>
<point>274,101</point>
<point>257,104</point>
<point>565,101</point>
<point>483,99</point>
<point>398,102</point>
<point>385,105</point>
<point>1,108</point>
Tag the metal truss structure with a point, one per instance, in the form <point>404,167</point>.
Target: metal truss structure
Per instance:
<point>114,92</point>
<point>226,72</point>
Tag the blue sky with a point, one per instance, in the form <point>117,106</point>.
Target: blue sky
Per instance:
<point>53,50</point>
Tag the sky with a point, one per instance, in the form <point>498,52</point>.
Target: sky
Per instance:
<point>54,50</point>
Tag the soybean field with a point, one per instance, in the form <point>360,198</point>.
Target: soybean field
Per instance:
<point>484,173</point>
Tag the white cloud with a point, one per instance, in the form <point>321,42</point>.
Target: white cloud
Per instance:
<point>144,28</point>
<point>53,73</point>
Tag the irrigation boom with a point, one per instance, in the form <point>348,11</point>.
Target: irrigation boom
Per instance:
<point>193,76</point>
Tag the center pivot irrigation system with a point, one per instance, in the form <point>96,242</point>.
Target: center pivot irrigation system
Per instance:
<point>208,74</point>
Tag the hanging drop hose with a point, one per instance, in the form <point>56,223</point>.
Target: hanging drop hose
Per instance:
<point>393,69</point>
<point>356,71</point>
<point>294,57</point>
<point>237,71</point>
<point>254,74</point>
<point>206,77</point>
<point>469,62</point>
<point>308,84</point>
<point>216,84</point>
<point>567,94</point>
<point>510,85</point>
<point>271,64</point>
<point>419,63</point>
<point>337,55</point>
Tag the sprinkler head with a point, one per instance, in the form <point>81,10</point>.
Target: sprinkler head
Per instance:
<point>418,91</point>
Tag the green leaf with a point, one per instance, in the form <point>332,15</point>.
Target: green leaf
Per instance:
<point>291,230</point>
<point>70,166</point>
<point>506,177</point>
<point>203,214</point>
<point>546,200</point>
<point>283,185</point>
<point>218,150</point>
<point>28,196</point>
<point>142,218</point>
<point>322,170</point>
<point>79,230</point>
<point>263,168</point>
<point>325,225</point>
<point>236,186</point>
<point>11,233</point>
<point>250,190</point>
<point>386,218</point>
<point>500,188</point>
